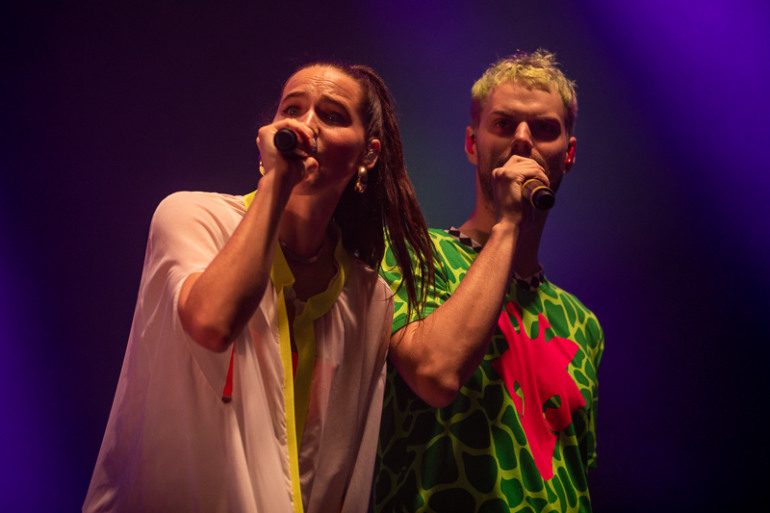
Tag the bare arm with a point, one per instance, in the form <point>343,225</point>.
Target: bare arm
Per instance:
<point>438,354</point>
<point>215,305</point>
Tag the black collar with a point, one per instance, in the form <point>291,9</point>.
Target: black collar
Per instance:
<point>531,282</point>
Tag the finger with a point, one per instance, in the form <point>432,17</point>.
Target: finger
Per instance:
<point>520,169</point>
<point>306,136</point>
<point>310,164</point>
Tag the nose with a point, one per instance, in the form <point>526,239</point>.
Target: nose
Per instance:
<point>311,120</point>
<point>522,140</point>
<point>309,117</point>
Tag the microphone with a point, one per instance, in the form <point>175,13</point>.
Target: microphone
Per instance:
<point>285,140</point>
<point>540,196</point>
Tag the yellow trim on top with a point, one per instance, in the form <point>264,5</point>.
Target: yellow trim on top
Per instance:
<point>248,199</point>
<point>304,334</point>
<point>297,391</point>
<point>282,278</point>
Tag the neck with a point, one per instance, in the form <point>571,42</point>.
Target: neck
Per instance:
<point>304,225</point>
<point>479,226</point>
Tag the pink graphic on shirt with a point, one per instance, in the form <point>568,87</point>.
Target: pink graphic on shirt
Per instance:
<point>540,370</point>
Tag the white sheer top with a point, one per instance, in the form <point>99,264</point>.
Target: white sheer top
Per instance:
<point>173,445</point>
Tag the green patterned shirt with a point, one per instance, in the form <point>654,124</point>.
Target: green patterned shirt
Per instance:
<point>520,436</point>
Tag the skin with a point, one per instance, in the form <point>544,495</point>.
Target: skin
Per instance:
<point>521,135</point>
<point>295,202</point>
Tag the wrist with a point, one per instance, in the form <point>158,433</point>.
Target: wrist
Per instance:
<point>276,181</point>
<point>271,186</point>
<point>505,228</point>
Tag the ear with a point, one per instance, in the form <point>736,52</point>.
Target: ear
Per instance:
<point>470,145</point>
<point>569,160</point>
<point>371,154</point>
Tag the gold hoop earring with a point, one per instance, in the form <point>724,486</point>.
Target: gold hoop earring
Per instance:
<point>363,177</point>
<point>261,168</point>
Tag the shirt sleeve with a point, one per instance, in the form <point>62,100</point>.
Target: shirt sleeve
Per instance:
<point>187,231</point>
<point>435,297</point>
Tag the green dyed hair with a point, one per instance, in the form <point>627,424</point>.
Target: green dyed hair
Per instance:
<point>538,69</point>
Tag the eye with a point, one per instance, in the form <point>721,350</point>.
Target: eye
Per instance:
<point>291,111</point>
<point>334,117</point>
<point>503,124</point>
<point>545,129</point>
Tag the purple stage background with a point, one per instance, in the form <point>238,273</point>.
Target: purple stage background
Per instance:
<point>661,228</point>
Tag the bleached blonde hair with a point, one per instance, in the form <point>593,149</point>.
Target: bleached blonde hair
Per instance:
<point>538,69</point>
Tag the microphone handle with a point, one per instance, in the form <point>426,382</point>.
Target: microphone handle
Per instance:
<point>540,196</point>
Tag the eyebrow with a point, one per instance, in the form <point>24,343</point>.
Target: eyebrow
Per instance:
<point>324,97</point>
<point>512,113</point>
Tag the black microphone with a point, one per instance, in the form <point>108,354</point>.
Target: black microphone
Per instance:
<point>285,140</point>
<point>540,196</point>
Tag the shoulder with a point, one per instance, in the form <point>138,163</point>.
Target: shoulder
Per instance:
<point>550,290</point>
<point>192,202</point>
<point>368,296</point>
<point>439,237</point>
<point>452,255</point>
<point>577,313</point>
<point>200,219</point>
<point>188,208</point>
<point>367,280</point>
<point>443,244</point>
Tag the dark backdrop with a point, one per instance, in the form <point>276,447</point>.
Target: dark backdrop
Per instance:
<point>661,227</point>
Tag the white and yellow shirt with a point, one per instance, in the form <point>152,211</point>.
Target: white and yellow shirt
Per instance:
<point>173,445</point>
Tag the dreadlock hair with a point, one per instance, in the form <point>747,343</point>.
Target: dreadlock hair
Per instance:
<point>388,207</point>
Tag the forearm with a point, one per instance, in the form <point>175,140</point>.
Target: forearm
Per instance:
<point>438,354</point>
<point>215,305</point>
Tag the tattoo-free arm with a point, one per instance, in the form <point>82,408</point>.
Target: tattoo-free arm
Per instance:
<point>438,354</point>
<point>215,305</point>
